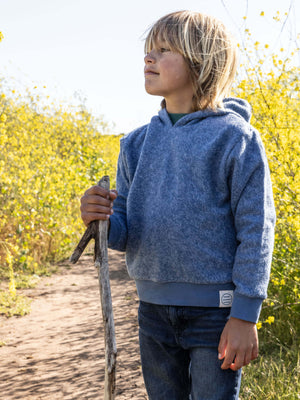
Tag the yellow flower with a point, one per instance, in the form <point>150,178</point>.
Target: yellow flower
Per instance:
<point>258,325</point>
<point>12,287</point>
<point>270,320</point>
<point>3,118</point>
<point>262,14</point>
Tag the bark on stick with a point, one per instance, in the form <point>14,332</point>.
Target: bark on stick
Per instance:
<point>98,231</point>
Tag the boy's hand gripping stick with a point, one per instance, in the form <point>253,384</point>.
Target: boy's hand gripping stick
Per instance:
<point>98,231</point>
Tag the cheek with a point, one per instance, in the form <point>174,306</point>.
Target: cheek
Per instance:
<point>170,70</point>
<point>178,70</point>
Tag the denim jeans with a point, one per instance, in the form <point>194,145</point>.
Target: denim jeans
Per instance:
<point>179,353</point>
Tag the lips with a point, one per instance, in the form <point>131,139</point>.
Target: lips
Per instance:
<point>149,72</point>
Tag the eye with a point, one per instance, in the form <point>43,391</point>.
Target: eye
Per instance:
<point>164,50</point>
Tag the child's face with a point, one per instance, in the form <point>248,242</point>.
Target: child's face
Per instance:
<point>167,75</point>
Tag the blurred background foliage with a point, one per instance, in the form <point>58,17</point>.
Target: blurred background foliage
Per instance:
<point>48,158</point>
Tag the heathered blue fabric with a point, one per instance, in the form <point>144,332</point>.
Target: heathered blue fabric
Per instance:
<point>195,207</point>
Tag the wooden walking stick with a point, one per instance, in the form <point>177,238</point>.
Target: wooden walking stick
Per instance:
<point>98,231</point>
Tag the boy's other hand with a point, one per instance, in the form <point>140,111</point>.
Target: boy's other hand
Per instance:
<point>96,204</point>
<point>238,344</point>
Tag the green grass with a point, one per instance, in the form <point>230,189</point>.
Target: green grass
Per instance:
<point>272,377</point>
<point>275,374</point>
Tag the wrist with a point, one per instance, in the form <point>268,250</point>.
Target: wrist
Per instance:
<point>242,320</point>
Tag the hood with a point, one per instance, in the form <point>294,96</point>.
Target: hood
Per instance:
<point>241,108</point>
<point>238,106</point>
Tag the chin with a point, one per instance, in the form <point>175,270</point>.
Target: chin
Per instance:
<point>152,91</point>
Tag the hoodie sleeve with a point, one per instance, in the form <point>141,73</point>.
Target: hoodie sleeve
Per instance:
<point>254,217</point>
<point>117,237</point>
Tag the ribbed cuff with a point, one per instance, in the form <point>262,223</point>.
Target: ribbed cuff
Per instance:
<point>246,308</point>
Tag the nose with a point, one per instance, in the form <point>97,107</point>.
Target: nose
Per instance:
<point>149,58</point>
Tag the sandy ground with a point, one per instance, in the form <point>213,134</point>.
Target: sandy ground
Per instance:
<point>57,351</point>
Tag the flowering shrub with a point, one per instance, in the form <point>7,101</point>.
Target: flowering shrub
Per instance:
<point>48,158</point>
<point>274,97</point>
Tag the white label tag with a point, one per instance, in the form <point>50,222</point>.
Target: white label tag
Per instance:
<point>226,298</point>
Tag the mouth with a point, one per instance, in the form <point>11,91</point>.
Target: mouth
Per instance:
<point>149,72</point>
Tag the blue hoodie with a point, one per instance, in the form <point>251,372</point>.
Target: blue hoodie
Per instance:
<point>195,210</point>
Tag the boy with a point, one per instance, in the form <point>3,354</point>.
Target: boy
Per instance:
<point>194,213</point>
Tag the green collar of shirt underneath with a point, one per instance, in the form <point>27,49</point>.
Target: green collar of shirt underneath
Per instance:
<point>176,117</point>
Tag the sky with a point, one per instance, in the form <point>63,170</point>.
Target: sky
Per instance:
<point>92,50</point>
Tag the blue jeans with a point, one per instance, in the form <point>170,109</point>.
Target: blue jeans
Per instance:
<point>179,353</point>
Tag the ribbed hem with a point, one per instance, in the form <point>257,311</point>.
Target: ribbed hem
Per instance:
<point>185,294</point>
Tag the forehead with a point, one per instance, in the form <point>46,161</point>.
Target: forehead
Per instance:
<point>159,37</point>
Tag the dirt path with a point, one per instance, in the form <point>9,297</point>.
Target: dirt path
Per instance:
<point>57,352</point>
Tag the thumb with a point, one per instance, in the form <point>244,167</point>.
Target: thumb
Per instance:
<point>113,194</point>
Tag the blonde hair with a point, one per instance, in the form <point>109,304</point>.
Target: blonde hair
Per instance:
<point>208,48</point>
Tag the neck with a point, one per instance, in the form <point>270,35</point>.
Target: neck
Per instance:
<point>178,107</point>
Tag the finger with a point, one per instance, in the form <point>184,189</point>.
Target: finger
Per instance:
<point>92,212</point>
<point>238,362</point>
<point>96,199</point>
<point>255,346</point>
<point>229,358</point>
<point>254,353</point>
<point>89,217</point>
<point>98,190</point>
<point>248,356</point>
<point>95,208</point>
<point>222,347</point>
